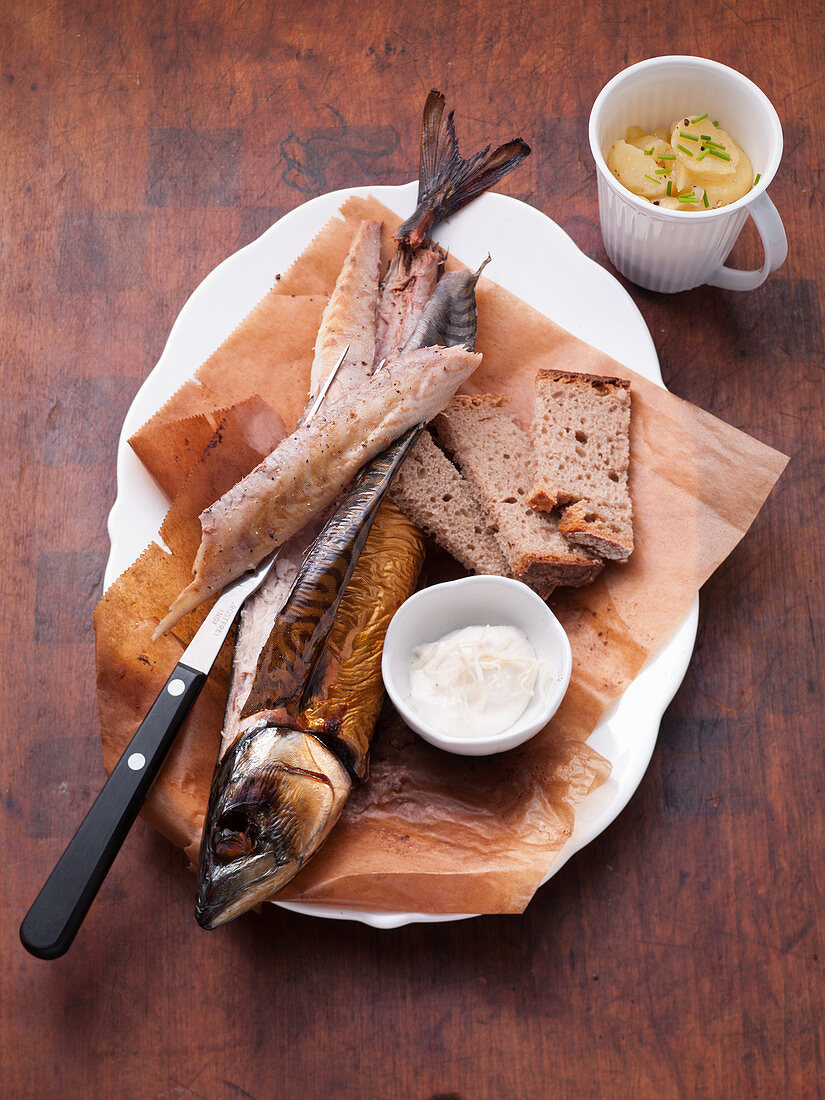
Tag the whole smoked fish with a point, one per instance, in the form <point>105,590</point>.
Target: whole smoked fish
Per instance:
<point>308,469</point>
<point>305,724</point>
<point>298,730</point>
<point>299,727</point>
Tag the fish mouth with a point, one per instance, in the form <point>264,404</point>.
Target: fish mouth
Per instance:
<point>275,799</point>
<point>219,902</point>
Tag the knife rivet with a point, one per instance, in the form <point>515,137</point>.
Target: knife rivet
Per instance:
<point>136,761</point>
<point>176,687</point>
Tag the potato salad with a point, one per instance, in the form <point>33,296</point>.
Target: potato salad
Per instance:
<point>692,165</point>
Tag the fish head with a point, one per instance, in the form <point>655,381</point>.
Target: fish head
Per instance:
<point>275,797</point>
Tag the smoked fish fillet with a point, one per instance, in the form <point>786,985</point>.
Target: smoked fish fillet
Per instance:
<point>308,469</point>
<point>349,317</point>
<point>406,289</point>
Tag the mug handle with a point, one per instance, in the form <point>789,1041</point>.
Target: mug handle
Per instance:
<point>774,244</point>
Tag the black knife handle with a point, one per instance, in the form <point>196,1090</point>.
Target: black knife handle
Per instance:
<point>58,910</point>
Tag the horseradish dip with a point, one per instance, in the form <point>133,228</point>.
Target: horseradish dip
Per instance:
<point>474,682</point>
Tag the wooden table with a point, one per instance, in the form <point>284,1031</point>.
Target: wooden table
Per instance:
<point>679,955</point>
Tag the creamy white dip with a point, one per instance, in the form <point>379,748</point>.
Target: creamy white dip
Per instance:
<point>474,682</point>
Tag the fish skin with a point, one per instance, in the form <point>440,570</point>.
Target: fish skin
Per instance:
<point>254,625</point>
<point>349,317</point>
<point>310,467</point>
<point>343,696</point>
<point>301,628</point>
<point>450,317</point>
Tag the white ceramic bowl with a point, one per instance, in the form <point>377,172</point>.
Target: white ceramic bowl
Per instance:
<point>477,601</point>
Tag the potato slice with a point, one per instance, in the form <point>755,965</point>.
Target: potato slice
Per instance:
<point>701,158</point>
<point>633,169</point>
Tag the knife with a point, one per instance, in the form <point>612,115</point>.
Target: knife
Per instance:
<point>58,910</point>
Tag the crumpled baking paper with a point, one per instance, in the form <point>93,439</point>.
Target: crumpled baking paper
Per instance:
<point>427,832</point>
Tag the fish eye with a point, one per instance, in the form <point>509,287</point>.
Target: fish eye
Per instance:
<point>233,836</point>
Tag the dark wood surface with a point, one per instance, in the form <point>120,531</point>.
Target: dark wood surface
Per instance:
<point>680,954</point>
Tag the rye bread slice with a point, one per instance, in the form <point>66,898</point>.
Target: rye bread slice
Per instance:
<point>581,438</point>
<point>431,492</point>
<point>494,453</point>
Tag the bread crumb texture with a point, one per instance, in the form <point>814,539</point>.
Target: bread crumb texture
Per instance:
<point>581,443</point>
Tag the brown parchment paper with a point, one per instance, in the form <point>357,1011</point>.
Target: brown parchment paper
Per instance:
<point>428,831</point>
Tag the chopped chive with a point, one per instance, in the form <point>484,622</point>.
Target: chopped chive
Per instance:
<point>716,144</point>
<point>688,198</point>
<point>651,178</point>
<point>669,187</point>
<point>662,171</point>
<point>682,149</point>
<point>718,155</point>
<point>690,137</point>
<point>702,155</point>
<point>700,118</point>
<point>758,178</point>
<point>715,122</point>
<point>649,152</point>
<point>666,156</point>
<point>705,199</point>
<point>705,137</point>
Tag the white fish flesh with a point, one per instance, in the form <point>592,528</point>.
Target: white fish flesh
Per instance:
<point>309,468</point>
<point>349,318</point>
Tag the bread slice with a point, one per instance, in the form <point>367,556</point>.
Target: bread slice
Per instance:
<point>494,453</point>
<point>581,436</point>
<point>431,492</point>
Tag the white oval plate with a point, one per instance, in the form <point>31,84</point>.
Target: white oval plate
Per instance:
<point>534,259</point>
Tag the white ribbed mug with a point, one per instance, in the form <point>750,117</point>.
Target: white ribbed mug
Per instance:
<point>671,250</point>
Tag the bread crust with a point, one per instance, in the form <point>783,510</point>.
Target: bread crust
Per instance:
<point>592,535</point>
<point>542,501</point>
<point>571,574</point>
<point>557,375</point>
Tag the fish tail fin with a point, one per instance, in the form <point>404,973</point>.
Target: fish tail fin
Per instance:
<point>446,181</point>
